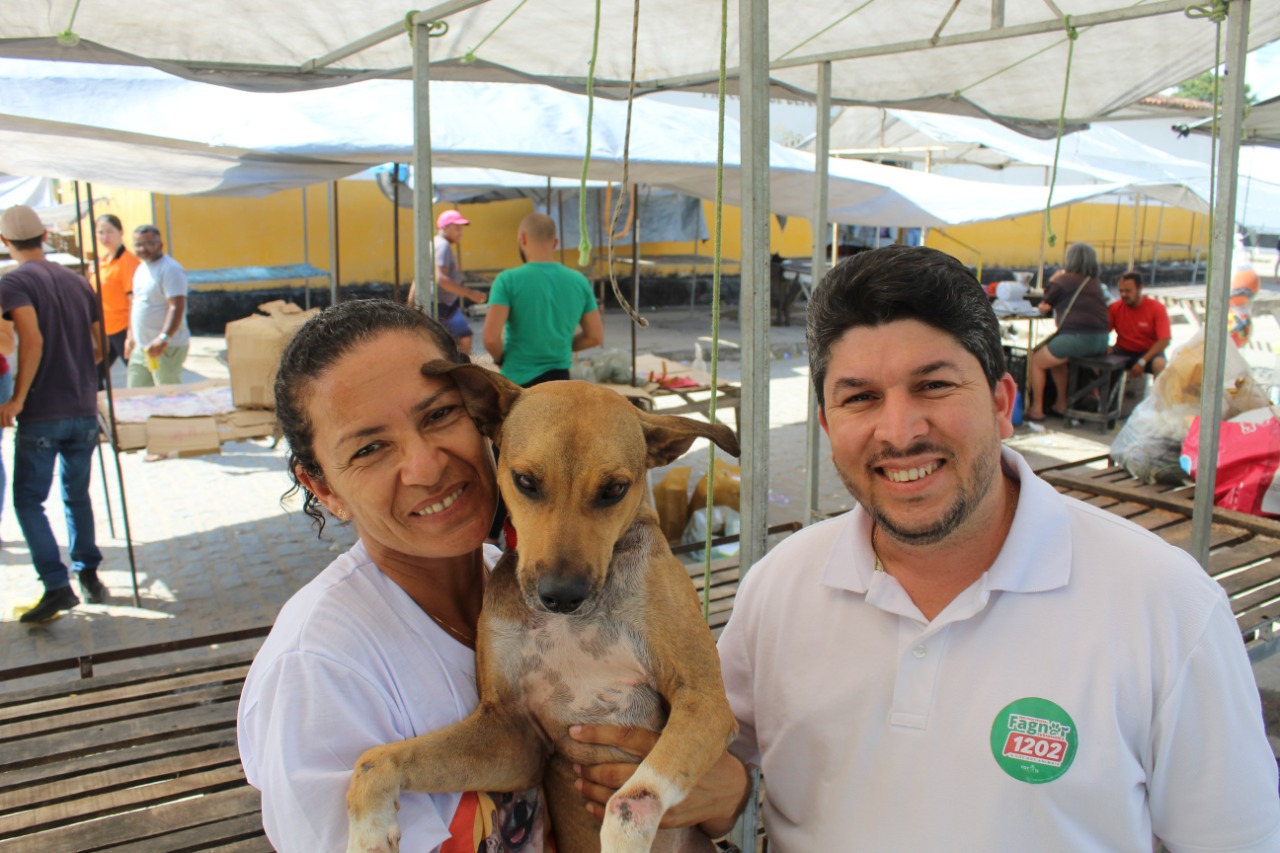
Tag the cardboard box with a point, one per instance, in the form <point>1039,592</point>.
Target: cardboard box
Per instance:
<point>186,436</point>
<point>671,498</point>
<point>728,488</point>
<point>254,345</point>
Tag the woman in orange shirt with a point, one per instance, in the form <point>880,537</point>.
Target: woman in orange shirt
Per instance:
<point>116,265</point>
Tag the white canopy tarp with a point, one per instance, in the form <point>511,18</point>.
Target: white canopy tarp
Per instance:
<point>939,58</point>
<point>1160,166</point>
<point>1261,124</point>
<point>138,127</point>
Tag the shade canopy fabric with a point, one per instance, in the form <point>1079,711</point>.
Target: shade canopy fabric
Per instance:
<point>922,54</point>
<point>138,127</point>
<point>1261,124</point>
<point>1159,166</point>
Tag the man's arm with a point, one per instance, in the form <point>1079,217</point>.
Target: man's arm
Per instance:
<point>95,332</point>
<point>495,322</point>
<point>592,334</point>
<point>172,320</point>
<point>446,283</point>
<point>1154,351</point>
<point>30,351</point>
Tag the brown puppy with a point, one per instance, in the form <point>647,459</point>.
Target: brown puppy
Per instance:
<point>592,621</point>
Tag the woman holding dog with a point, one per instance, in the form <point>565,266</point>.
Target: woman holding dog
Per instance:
<point>380,646</point>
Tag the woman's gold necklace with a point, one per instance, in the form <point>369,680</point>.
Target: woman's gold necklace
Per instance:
<point>468,639</point>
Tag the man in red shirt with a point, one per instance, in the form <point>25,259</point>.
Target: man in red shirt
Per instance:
<point>1141,325</point>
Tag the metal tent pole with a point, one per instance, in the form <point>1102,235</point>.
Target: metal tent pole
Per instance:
<point>97,277</point>
<point>1218,291</point>
<point>812,439</point>
<point>333,243</point>
<point>753,316</point>
<point>635,272</point>
<point>306,253</point>
<point>111,417</point>
<point>754,305</point>
<point>423,226</point>
<point>395,231</point>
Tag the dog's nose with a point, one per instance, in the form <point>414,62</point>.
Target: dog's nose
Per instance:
<point>563,593</point>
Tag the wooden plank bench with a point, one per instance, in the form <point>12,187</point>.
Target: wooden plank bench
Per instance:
<point>147,760</point>
<point>724,575</point>
<point>142,761</point>
<point>1244,552</point>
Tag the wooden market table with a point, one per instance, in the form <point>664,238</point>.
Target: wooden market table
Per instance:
<point>142,761</point>
<point>1245,549</point>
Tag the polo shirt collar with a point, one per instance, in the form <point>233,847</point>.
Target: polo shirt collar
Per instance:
<point>1036,556</point>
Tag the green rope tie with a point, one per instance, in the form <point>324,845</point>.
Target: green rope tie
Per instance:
<point>1072,34</point>
<point>68,37</point>
<point>584,240</point>
<point>715,307</point>
<point>435,29</point>
<point>1215,11</point>
<point>470,55</point>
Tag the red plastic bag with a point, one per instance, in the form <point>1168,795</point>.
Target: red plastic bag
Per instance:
<point>1248,456</point>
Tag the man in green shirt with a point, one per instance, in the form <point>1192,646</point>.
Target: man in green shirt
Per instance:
<point>540,313</point>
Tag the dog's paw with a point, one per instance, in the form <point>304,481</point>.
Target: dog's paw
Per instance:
<point>631,820</point>
<point>375,832</point>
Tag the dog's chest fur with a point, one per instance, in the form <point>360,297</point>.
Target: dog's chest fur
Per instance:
<point>586,673</point>
<point>584,668</point>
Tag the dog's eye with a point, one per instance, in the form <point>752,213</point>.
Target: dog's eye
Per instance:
<point>613,493</point>
<point>525,484</point>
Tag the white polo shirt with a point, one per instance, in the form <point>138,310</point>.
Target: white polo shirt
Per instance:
<point>1090,690</point>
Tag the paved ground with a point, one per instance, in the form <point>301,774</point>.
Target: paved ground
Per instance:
<point>218,550</point>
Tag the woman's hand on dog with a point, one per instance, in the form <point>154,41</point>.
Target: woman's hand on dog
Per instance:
<point>713,805</point>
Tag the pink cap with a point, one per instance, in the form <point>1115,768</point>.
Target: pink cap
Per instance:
<point>451,217</point>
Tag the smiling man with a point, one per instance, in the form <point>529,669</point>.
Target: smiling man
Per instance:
<point>969,660</point>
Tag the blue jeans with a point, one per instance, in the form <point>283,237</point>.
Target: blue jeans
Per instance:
<point>37,445</point>
<point>6,391</point>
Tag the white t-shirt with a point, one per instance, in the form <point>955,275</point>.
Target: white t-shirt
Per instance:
<point>1089,690</point>
<point>154,284</point>
<point>352,662</point>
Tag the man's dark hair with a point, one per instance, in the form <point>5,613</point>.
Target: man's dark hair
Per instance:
<point>902,283</point>
<point>323,340</point>
<point>1133,276</point>
<point>27,245</point>
<point>148,229</point>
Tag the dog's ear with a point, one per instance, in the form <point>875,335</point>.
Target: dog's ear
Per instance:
<point>669,436</point>
<point>487,394</point>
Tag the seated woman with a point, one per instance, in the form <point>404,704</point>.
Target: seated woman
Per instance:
<point>1079,306</point>
<point>380,646</point>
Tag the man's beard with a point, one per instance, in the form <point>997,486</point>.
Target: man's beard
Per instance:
<point>968,497</point>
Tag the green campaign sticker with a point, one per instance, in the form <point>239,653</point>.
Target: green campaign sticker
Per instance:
<point>1034,740</point>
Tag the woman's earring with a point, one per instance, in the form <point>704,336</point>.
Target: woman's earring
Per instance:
<point>341,514</point>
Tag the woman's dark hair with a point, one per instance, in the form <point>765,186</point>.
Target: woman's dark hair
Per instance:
<point>323,340</point>
<point>902,283</point>
<point>112,220</point>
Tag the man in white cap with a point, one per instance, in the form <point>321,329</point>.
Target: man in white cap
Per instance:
<point>54,405</point>
<point>450,288</point>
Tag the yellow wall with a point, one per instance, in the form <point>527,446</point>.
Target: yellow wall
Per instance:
<point>212,232</point>
<point>1108,227</point>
